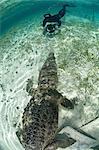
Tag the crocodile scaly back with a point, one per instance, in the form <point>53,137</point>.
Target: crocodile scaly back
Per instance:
<point>48,74</point>
<point>40,120</point>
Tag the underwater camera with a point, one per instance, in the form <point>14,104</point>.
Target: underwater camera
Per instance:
<point>51,28</point>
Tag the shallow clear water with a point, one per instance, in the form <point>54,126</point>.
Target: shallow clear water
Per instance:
<point>19,10</point>
<point>23,51</point>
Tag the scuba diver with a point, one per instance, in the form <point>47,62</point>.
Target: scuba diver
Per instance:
<point>51,23</point>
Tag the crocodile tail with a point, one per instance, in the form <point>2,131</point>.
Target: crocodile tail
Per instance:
<point>48,74</point>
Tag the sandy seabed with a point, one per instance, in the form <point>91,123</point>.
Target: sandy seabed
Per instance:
<point>23,52</point>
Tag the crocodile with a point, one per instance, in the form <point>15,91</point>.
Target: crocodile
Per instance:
<point>39,130</point>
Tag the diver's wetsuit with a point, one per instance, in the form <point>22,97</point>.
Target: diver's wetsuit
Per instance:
<point>51,21</point>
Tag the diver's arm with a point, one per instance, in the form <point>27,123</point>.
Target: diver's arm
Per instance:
<point>46,19</point>
<point>47,15</point>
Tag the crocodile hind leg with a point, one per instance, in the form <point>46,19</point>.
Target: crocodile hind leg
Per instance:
<point>67,103</point>
<point>62,141</point>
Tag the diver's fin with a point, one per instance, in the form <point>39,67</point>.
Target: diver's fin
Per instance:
<point>69,5</point>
